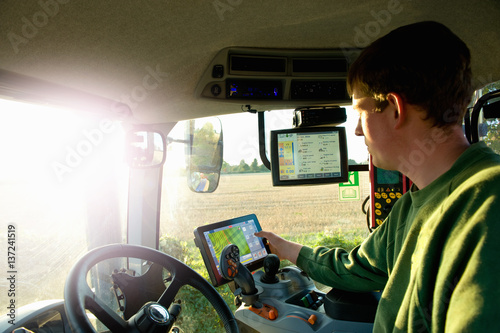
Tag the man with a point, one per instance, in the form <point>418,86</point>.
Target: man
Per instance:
<point>435,256</point>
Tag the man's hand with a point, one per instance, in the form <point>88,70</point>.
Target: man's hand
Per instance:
<point>281,247</point>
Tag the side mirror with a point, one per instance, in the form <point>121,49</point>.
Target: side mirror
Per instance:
<point>204,154</point>
<point>145,149</point>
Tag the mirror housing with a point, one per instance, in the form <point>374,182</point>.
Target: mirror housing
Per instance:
<point>145,149</point>
<point>204,154</point>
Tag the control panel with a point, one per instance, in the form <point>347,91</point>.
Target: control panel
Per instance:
<point>274,299</point>
<point>387,186</point>
<point>282,300</point>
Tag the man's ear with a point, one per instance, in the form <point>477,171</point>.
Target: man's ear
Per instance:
<point>399,109</point>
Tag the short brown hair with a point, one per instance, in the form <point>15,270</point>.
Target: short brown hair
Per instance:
<point>426,63</point>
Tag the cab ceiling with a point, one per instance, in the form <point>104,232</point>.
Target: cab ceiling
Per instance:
<point>108,48</point>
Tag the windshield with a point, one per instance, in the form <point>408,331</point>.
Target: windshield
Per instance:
<point>246,187</point>
<point>312,215</point>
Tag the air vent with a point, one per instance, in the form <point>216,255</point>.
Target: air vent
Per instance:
<point>318,90</point>
<point>252,64</point>
<point>312,65</point>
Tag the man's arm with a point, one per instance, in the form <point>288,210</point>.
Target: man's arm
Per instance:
<point>285,250</point>
<point>333,267</point>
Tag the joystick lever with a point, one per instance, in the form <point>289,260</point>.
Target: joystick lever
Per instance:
<point>232,269</point>
<point>271,268</point>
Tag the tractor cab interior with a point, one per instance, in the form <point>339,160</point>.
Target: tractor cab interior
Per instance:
<point>144,143</point>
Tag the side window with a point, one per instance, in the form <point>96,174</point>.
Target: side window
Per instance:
<point>489,124</point>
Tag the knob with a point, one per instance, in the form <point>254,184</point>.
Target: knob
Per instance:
<point>271,268</point>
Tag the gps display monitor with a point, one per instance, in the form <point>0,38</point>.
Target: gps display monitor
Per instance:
<point>315,155</point>
<point>212,238</point>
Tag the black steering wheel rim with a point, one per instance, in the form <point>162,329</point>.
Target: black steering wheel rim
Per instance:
<point>78,296</point>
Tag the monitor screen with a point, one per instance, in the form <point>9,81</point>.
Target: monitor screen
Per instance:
<point>309,156</point>
<point>388,177</point>
<point>212,238</point>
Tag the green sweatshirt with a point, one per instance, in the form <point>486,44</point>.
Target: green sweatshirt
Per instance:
<point>436,257</point>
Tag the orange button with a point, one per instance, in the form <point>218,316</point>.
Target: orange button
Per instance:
<point>272,315</point>
<point>312,319</point>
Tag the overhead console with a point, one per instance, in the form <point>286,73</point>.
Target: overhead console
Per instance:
<point>276,76</point>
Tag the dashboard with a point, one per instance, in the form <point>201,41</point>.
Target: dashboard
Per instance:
<point>40,317</point>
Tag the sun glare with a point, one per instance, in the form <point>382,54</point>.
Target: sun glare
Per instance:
<point>27,134</point>
<point>51,155</point>
<point>33,137</point>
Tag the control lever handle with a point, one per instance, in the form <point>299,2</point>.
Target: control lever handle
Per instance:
<point>232,269</point>
<point>271,268</point>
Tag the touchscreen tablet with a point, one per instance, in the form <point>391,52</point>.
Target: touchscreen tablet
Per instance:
<point>212,238</point>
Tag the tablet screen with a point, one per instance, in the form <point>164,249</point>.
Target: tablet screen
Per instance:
<point>211,240</point>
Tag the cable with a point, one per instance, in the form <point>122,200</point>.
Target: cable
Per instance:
<point>367,213</point>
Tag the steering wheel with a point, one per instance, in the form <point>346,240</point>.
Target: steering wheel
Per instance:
<point>78,295</point>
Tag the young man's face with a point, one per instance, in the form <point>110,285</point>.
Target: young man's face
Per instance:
<point>376,129</point>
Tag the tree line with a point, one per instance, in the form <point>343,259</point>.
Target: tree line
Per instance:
<point>254,167</point>
<point>243,167</point>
